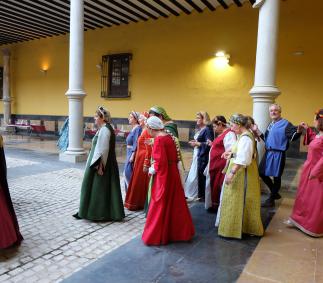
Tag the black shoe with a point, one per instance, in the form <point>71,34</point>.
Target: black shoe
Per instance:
<point>270,202</point>
<point>277,196</point>
<point>76,215</point>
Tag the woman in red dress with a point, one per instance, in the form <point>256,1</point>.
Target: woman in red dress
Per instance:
<point>214,175</point>
<point>138,186</point>
<point>168,219</point>
<point>308,207</point>
<point>9,229</point>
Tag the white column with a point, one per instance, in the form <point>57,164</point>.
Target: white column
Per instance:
<point>75,151</point>
<point>6,87</point>
<point>265,90</point>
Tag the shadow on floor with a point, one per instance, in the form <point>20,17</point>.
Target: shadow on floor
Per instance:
<point>208,258</point>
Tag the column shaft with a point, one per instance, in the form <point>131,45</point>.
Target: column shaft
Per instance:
<point>75,151</point>
<point>265,90</point>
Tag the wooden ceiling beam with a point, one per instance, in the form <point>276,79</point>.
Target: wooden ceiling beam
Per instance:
<point>192,3</point>
<point>109,17</point>
<point>208,4</point>
<point>153,8</point>
<point>238,3</point>
<point>105,6</point>
<point>180,6</point>
<point>29,22</point>
<point>223,4</point>
<point>166,7</point>
<point>140,9</point>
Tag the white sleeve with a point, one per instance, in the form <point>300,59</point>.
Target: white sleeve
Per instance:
<point>228,141</point>
<point>244,151</point>
<point>102,146</point>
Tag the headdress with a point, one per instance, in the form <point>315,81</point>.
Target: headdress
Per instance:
<point>238,119</point>
<point>161,111</point>
<point>105,114</point>
<point>155,123</point>
<point>319,114</point>
<point>135,114</point>
<point>144,115</point>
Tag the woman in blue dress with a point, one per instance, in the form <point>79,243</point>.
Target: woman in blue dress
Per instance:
<point>195,182</point>
<point>131,142</point>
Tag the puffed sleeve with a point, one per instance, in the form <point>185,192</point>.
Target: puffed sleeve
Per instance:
<point>291,132</point>
<point>137,133</point>
<point>244,151</point>
<point>159,155</point>
<point>102,147</point>
<point>309,136</point>
<point>229,140</point>
<point>317,170</point>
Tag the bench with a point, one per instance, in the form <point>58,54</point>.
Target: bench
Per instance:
<point>38,130</point>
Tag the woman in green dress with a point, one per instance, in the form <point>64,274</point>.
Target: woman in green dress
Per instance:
<point>240,199</point>
<point>101,198</point>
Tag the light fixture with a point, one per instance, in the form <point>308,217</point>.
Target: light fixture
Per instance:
<point>44,71</point>
<point>298,53</point>
<point>221,59</point>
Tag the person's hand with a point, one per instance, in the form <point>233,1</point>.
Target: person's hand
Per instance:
<point>254,128</point>
<point>229,178</point>
<point>192,143</point>
<point>303,125</point>
<point>311,177</point>
<point>209,142</point>
<point>132,158</point>
<point>100,169</point>
<point>226,155</point>
<point>149,141</point>
<point>151,171</point>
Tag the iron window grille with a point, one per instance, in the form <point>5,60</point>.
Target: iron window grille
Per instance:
<point>115,75</point>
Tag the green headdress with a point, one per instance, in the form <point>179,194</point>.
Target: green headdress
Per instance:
<point>239,119</point>
<point>161,111</point>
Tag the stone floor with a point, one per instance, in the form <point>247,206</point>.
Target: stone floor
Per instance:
<point>45,193</point>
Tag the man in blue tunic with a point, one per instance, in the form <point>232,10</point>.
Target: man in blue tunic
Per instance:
<point>277,137</point>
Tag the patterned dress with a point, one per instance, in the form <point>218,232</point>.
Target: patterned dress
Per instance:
<point>240,204</point>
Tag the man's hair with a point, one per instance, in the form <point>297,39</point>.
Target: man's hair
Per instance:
<point>276,106</point>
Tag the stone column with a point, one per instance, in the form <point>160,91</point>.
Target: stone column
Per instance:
<point>6,88</point>
<point>265,90</point>
<point>75,151</point>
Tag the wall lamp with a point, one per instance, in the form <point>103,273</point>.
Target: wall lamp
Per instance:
<point>221,59</point>
<point>44,71</point>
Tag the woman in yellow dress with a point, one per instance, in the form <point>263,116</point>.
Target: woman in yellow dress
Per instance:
<point>240,204</point>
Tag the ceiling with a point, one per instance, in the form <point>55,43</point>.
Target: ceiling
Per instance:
<point>23,20</point>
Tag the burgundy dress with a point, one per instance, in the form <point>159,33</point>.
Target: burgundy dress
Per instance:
<point>168,219</point>
<point>9,229</point>
<point>138,186</point>
<point>217,165</point>
<point>308,208</point>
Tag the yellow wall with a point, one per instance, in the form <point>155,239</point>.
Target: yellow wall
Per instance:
<point>173,65</point>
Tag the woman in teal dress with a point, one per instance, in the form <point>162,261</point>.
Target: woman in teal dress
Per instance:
<point>101,198</point>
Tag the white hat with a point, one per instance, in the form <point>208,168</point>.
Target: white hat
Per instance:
<point>155,123</point>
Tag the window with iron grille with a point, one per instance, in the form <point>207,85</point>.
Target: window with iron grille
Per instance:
<point>115,76</point>
<point>1,82</point>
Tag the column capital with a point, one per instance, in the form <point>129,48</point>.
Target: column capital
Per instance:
<point>6,99</point>
<point>265,92</point>
<point>75,94</point>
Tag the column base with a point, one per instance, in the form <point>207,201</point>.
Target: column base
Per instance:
<point>73,157</point>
